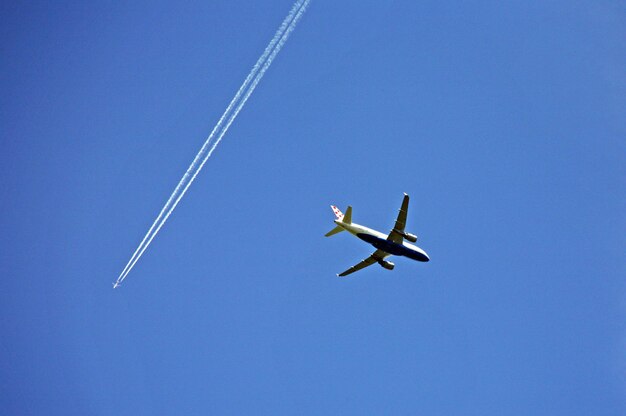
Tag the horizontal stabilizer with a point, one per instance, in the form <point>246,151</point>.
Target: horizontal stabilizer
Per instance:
<point>348,217</point>
<point>334,231</point>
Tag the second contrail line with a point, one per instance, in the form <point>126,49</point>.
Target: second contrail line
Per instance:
<point>238,101</point>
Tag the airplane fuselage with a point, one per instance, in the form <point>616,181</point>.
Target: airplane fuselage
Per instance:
<point>380,242</point>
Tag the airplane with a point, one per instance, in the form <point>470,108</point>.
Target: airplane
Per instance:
<point>386,245</point>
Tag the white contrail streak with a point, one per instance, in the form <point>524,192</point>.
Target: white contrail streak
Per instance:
<point>277,36</point>
<point>246,89</point>
<point>231,119</point>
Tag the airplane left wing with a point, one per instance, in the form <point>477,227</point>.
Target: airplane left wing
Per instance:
<point>374,258</point>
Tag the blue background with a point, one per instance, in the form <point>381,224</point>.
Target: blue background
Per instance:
<point>504,121</point>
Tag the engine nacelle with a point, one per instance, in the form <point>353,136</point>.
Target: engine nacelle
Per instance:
<point>387,264</point>
<point>411,237</point>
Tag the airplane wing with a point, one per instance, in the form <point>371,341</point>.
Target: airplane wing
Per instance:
<point>375,257</point>
<point>396,234</point>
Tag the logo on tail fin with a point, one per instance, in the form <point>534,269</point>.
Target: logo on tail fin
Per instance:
<point>337,212</point>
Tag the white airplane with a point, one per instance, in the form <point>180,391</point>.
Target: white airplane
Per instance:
<point>386,245</point>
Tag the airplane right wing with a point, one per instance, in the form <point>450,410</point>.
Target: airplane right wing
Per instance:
<point>374,258</point>
<point>396,235</point>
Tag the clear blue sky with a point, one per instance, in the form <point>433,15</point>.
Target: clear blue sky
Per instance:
<point>504,121</point>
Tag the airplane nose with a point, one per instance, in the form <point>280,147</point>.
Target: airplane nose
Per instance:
<point>419,255</point>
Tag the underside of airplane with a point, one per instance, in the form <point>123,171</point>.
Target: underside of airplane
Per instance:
<point>386,244</point>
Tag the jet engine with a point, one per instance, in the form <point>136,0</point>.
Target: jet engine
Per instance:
<point>411,237</point>
<point>386,264</point>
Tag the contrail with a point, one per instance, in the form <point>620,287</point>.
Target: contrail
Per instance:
<point>218,126</point>
<point>231,119</point>
<point>246,89</point>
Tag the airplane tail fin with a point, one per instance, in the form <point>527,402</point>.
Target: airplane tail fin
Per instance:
<point>347,218</point>
<point>337,212</point>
